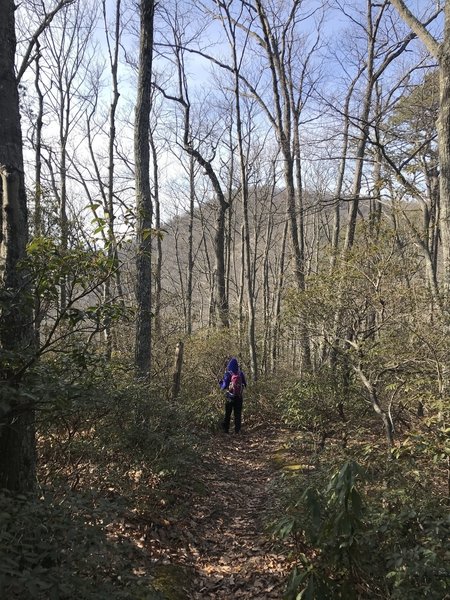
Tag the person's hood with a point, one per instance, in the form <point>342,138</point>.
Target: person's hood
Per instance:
<point>233,366</point>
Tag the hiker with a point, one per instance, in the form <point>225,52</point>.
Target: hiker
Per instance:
<point>233,382</point>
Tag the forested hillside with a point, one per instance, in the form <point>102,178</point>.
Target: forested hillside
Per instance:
<point>184,182</point>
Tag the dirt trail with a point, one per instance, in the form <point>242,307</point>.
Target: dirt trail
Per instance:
<point>228,549</point>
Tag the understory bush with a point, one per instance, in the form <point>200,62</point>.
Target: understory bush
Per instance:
<point>114,456</point>
<point>319,405</point>
<point>364,531</point>
<point>53,548</point>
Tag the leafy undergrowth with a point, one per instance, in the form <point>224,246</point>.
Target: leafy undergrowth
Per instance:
<point>110,469</point>
<point>147,500</point>
<point>200,537</point>
<point>76,547</point>
<point>139,499</point>
<point>365,523</point>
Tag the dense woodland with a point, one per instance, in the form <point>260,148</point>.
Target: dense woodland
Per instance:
<point>185,181</point>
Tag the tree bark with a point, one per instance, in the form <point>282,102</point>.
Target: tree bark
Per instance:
<point>159,253</point>
<point>112,242</point>
<point>38,149</point>
<point>441,51</point>
<point>17,433</point>
<point>384,416</point>
<point>144,209</point>
<point>223,205</point>
<point>443,125</point>
<point>176,378</point>
<point>190,266</point>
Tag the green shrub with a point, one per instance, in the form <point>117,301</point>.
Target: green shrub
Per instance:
<point>331,523</point>
<point>61,549</point>
<point>365,534</point>
<point>318,404</point>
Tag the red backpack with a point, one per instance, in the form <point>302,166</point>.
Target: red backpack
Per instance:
<point>235,386</point>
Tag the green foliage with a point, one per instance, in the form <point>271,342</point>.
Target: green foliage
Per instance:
<point>53,549</point>
<point>331,522</point>
<point>48,267</point>
<point>110,451</point>
<point>365,533</point>
<point>68,330</point>
<point>417,554</point>
<point>318,403</point>
<point>100,414</point>
<point>395,543</point>
<point>412,125</point>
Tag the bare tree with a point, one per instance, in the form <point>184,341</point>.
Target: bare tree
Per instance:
<point>112,250</point>
<point>144,208</point>
<point>193,148</point>
<point>279,39</point>
<point>33,42</point>
<point>66,70</point>
<point>379,55</point>
<point>441,51</point>
<point>237,58</point>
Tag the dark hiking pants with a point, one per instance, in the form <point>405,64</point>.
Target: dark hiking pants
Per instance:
<point>235,406</point>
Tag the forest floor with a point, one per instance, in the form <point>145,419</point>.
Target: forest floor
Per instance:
<point>221,541</point>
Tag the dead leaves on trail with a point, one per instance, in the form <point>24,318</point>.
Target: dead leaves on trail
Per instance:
<point>210,542</point>
<point>231,554</point>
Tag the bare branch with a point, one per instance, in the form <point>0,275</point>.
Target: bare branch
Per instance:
<point>417,27</point>
<point>26,61</point>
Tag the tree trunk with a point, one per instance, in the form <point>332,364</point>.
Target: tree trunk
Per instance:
<point>384,416</point>
<point>341,173</point>
<point>112,243</point>
<point>144,207</point>
<point>37,150</point>
<point>219,246</point>
<point>443,127</point>
<point>219,239</point>
<point>278,295</point>
<point>17,434</point>
<point>249,281</point>
<point>286,120</point>
<point>190,266</point>
<point>159,254</point>
<point>176,378</point>
<point>441,51</point>
<point>38,224</point>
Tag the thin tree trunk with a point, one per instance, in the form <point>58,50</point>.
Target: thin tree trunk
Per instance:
<point>267,295</point>
<point>190,245</point>
<point>144,209</point>
<point>176,378</point>
<point>63,221</point>
<point>112,243</point>
<point>241,288</point>
<point>443,124</point>
<point>340,179</point>
<point>278,294</point>
<point>219,238</point>
<point>159,255</point>
<point>384,416</point>
<point>38,225</point>
<point>244,197</point>
<point>306,350</point>
<point>38,229</point>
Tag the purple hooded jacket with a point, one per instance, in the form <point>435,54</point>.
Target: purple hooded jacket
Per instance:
<point>233,367</point>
